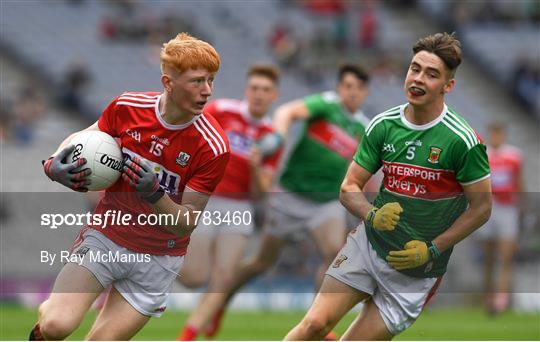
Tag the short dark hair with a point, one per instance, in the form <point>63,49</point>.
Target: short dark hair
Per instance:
<point>446,46</point>
<point>356,70</point>
<point>497,126</point>
<point>266,70</point>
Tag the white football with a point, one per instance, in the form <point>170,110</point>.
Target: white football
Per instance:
<point>103,157</point>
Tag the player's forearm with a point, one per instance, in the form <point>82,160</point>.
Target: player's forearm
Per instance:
<point>184,221</point>
<point>522,200</point>
<point>286,114</point>
<point>283,119</point>
<point>473,218</point>
<point>261,181</point>
<point>352,198</point>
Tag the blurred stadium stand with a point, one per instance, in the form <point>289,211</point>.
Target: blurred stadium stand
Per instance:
<point>43,42</point>
<point>503,36</point>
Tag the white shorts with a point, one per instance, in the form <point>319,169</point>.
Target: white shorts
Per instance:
<point>144,280</point>
<point>399,298</point>
<point>289,215</point>
<point>502,225</point>
<point>228,209</point>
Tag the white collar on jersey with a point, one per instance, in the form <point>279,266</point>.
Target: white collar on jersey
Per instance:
<point>424,126</point>
<point>333,96</point>
<point>168,125</point>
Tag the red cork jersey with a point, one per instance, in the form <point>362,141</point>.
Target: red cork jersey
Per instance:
<point>243,131</point>
<point>505,164</point>
<point>192,155</point>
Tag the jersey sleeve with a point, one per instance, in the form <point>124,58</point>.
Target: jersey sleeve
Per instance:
<point>317,106</point>
<point>473,165</point>
<point>208,175</point>
<point>368,154</point>
<point>108,120</point>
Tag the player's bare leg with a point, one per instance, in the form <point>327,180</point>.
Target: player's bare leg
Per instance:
<point>330,238</point>
<point>489,263</point>
<point>506,250</point>
<point>332,302</point>
<point>265,257</point>
<point>232,253</point>
<point>197,266</point>
<point>369,325</point>
<point>74,291</point>
<point>228,251</point>
<point>118,320</point>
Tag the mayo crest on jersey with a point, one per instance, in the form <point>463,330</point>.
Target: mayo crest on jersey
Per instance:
<point>327,143</point>
<point>192,155</point>
<point>243,132</point>
<point>425,168</point>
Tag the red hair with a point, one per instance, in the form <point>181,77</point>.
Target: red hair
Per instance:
<point>185,52</point>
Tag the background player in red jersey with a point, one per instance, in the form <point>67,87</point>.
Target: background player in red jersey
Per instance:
<point>215,251</point>
<point>175,155</point>
<point>501,232</point>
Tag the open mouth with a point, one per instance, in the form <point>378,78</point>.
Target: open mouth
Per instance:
<point>417,91</point>
<point>201,103</point>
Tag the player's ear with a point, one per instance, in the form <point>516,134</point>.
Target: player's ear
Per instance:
<point>275,94</point>
<point>166,82</point>
<point>449,86</point>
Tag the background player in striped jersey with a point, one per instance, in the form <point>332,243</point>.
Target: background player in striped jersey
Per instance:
<point>215,252</point>
<point>175,155</point>
<point>435,192</point>
<point>502,230</point>
<point>306,200</point>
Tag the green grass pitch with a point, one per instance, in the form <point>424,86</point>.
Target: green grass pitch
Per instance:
<point>435,324</point>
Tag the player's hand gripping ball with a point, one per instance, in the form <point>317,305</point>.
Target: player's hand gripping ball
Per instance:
<point>92,161</point>
<point>139,175</point>
<point>58,170</point>
<point>386,217</point>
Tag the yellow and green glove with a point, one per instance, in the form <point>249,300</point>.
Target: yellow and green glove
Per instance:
<point>415,254</point>
<point>385,217</point>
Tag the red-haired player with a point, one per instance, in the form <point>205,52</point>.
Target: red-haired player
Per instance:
<point>175,155</point>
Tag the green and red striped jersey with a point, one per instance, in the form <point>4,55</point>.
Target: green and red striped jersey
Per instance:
<point>424,167</point>
<point>326,146</point>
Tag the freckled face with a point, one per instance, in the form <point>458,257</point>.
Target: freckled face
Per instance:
<point>190,89</point>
